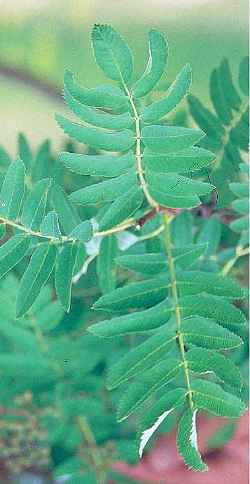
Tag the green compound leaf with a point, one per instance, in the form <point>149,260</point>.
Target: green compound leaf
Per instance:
<point>187,442</point>
<point>107,166</point>
<point>157,62</point>
<point>103,97</point>
<point>212,398</point>
<point>65,264</point>
<point>12,191</point>
<point>203,361</point>
<point>95,117</point>
<point>35,205</point>
<point>112,53</point>
<point>106,264</point>
<point>207,334</point>
<point>140,358</point>
<point>106,191</point>
<point>24,150</point>
<point>175,94</point>
<point>151,421</point>
<point>139,322</point>
<point>170,139</point>
<point>35,277</point>
<point>104,140</point>
<point>184,161</point>
<point>122,208</point>
<point>12,252</point>
<point>149,382</point>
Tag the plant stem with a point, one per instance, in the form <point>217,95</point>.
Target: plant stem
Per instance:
<point>168,244</point>
<point>240,252</point>
<point>95,455</point>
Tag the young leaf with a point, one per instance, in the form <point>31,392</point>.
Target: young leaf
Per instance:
<point>98,165</point>
<point>35,205</point>
<point>95,117</point>
<point>175,94</point>
<point>65,264</point>
<point>106,264</point>
<point>96,138</point>
<point>149,382</point>
<point>122,208</point>
<point>103,97</point>
<point>12,191</point>
<point>187,441</point>
<point>213,399</point>
<point>170,139</point>
<point>140,358</point>
<point>36,275</point>
<point>12,252</point>
<point>112,53</point>
<point>157,61</point>
<point>158,413</point>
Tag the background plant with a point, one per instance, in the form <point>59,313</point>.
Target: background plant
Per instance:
<point>164,253</point>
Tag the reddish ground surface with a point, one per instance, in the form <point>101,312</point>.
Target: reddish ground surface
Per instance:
<point>227,466</point>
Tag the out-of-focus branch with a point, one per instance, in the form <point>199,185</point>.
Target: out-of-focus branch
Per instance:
<point>30,80</point>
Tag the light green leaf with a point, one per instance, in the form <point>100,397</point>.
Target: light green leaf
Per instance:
<point>207,334</point>
<point>244,76</point>
<point>138,322</point>
<point>157,61</point>
<point>83,231</point>
<point>50,225</point>
<point>68,216</point>
<point>140,358</point>
<point>96,117</point>
<point>105,191</point>
<point>187,442</point>
<point>184,161</point>
<point>12,252</point>
<point>65,264</point>
<point>35,204</point>
<point>169,139</point>
<point>36,275</point>
<point>175,94</point>
<point>186,256</point>
<point>210,234</point>
<point>210,397</point>
<point>158,412</point>
<point>149,382</point>
<point>135,295</point>
<point>106,264</point>
<point>98,165</point>
<point>96,138</point>
<point>203,361</point>
<point>241,206</point>
<point>240,224</point>
<point>12,190</point>
<point>112,53</point>
<point>103,97</point>
<point>239,189</point>
<point>170,201</point>
<point>42,163</point>
<point>122,208</point>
